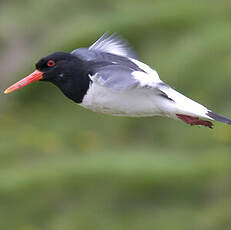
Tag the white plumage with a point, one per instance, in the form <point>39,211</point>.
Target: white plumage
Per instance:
<point>140,92</point>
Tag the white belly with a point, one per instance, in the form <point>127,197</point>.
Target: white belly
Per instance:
<point>132,102</point>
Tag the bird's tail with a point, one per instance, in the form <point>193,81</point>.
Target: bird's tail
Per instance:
<point>189,111</point>
<point>218,117</point>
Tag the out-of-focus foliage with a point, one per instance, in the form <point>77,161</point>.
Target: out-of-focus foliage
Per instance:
<point>63,167</point>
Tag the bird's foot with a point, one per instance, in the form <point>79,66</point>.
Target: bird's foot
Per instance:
<point>194,120</point>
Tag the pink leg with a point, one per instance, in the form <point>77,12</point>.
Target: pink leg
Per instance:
<point>194,120</point>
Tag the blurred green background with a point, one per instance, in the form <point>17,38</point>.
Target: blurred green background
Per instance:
<point>63,167</point>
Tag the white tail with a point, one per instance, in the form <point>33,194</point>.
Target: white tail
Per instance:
<point>191,110</point>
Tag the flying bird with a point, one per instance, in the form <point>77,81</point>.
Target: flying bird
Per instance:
<point>108,78</point>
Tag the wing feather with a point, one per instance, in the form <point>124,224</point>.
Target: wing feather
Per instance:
<point>113,44</point>
<point>115,78</point>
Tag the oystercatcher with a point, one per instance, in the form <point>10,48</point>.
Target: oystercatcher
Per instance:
<point>108,78</point>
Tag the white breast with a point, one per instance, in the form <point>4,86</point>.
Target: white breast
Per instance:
<point>131,102</point>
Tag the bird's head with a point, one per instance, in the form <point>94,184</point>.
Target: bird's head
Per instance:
<point>62,69</point>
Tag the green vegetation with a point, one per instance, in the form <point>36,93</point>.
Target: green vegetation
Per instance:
<point>62,167</point>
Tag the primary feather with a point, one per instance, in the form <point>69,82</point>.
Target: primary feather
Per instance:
<point>103,47</point>
<point>113,44</point>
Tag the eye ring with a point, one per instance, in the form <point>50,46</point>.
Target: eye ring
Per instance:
<point>50,63</point>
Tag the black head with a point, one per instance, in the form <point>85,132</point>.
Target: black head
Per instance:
<point>67,72</point>
<point>53,63</point>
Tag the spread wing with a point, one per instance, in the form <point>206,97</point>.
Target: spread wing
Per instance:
<point>104,48</point>
<point>114,77</point>
<point>113,44</point>
<point>121,77</point>
<point>114,64</point>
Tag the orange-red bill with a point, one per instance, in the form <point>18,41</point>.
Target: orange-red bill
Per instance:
<point>35,76</point>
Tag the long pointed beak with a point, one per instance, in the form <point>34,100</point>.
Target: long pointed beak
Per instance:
<point>35,76</point>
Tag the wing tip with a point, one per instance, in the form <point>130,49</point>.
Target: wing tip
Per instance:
<point>114,41</point>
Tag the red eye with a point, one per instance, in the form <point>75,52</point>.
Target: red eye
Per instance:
<point>50,63</point>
